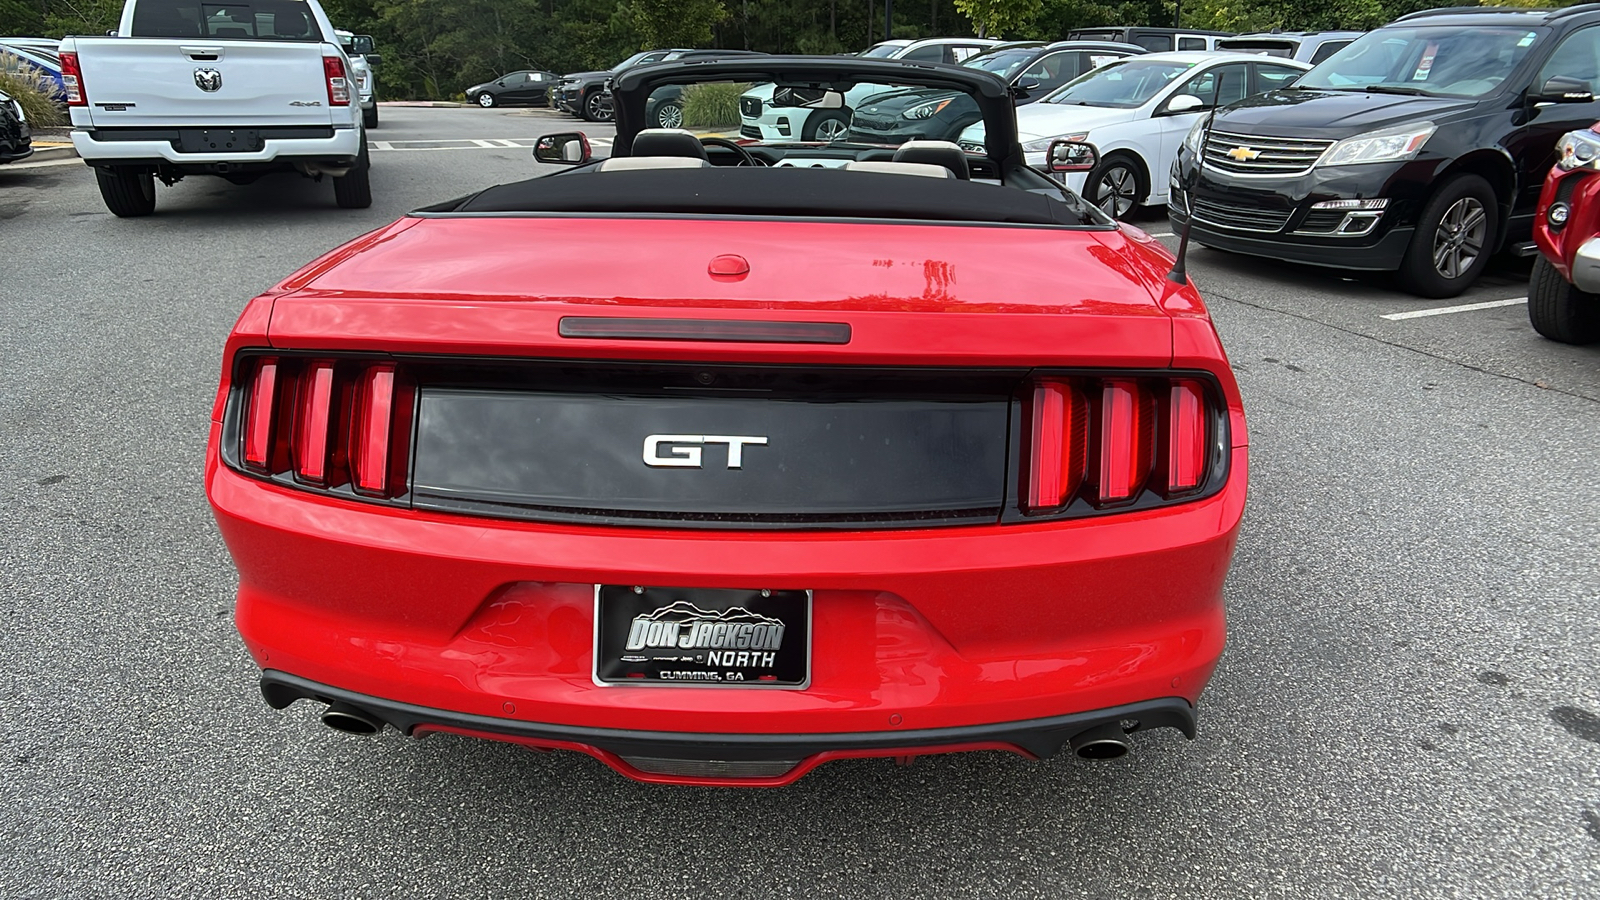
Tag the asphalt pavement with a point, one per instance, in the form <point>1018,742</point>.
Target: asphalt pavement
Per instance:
<point>1409,705</point>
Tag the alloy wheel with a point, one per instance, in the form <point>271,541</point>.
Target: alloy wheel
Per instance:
<point>831,130</point>
<point>669,116</point>
<point>486,100</point>
<point>1459,239</point>
<point>596,108</point>
<point>1117,191</point>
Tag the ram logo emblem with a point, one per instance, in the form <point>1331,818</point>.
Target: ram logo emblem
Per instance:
<point>208,80</point>
<point>1243,154</point>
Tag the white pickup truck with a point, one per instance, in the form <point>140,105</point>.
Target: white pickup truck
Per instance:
<point>235,88</point>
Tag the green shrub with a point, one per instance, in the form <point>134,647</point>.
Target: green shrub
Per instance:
<point>36,91</point>
<point>712,105</point>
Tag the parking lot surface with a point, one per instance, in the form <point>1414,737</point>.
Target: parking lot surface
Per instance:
<point>1409,705</point>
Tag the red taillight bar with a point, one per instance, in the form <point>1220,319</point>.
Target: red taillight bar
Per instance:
<point>260,412</point>
<point>1186,437</point>
<point>1127,439</point>
<point>369,446</point>
<point>313,422</point>
<point>1059,441</point>
<point>338,82</point>
<point>72,80</point>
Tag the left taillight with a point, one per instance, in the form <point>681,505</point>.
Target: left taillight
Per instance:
<point>72,80</point>
<point>1105,442</point>
<point>338,81</point>
<point>341,426</point>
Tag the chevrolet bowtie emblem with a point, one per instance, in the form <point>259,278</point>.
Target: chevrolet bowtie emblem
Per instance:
<point>1243,154</point>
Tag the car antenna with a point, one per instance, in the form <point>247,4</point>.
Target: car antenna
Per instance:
<point>1179,275</point>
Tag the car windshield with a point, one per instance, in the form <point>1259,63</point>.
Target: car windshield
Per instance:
<point>884,51</point>
<point>1443,60</point>
<point>1004,63</point>
<point>1120,85</point>
<point>632,60</point>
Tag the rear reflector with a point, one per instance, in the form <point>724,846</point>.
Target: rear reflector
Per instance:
<point>705,330</point>
<point>1059,444</point>
<point>1127,439</point>
<point>1186,437</point>
<point>260,414</point>
<point>369,456</point>
<point>313,422</point>
<point>72,80</point>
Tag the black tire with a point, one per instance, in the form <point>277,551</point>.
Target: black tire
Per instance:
<point>1118,185</point>
<point>1460,220</point>
<point>484,99</point>
<point>354,191</point>
<point>128,194</point>
<point>668,115</point>
<point>1558,310</point>
<point>369,117</point>
<point>826,125</point>
<point>593,108</point>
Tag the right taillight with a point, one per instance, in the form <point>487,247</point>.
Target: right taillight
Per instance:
<point>72,80</point>
<point>1110,442</point>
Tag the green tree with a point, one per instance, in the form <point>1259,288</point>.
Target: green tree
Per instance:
<point>675,23</point>
<point>999,17</point>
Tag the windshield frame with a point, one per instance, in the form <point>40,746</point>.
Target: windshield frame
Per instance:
<point>1410,60</point>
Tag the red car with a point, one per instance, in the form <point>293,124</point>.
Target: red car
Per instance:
<point>1564,289</point>
<point>718,461</point>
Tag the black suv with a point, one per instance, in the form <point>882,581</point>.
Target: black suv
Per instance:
<point>1420,148</point>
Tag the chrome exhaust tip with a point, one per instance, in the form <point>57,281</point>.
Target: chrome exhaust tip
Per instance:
<point>1106,741</point>
<point>350,720</point>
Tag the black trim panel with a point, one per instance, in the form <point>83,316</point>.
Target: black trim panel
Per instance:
<point>1040,737</point>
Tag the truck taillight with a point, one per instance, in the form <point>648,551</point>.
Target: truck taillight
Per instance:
<point>339,426</point>
<point>1114,442</point>
<point>72,80</point>
<point>338,82</point>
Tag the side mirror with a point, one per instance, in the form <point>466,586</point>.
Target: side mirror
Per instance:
<point>1184,103</point>
<point>374,60</point>
<point>569,148</point>
<point>1564,89</point>
<point>362,45</point>
<point>1071,156</point>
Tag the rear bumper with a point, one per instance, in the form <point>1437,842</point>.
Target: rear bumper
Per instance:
<point>344,144</point>
<point>650,755</point>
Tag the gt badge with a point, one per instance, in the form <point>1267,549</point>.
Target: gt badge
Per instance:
<point>1243,154</point>
<point>208,80</point>
<point>689,457</point>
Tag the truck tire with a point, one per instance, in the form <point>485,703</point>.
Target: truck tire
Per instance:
<point>1455,235</point>
<point>128,194</point>
<point>1558,310</point>
<point>369,117</point>
<point>354,191</point>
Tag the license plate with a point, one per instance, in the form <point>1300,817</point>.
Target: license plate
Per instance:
<point>219,140</point>
<point>702,637</point>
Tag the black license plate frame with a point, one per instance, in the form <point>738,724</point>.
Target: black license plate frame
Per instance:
<point>691,637</point>
<point>220,140</point>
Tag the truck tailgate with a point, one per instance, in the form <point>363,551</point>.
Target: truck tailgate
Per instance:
<point>147,82</point>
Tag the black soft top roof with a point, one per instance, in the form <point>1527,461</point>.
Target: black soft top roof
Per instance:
<point>777,192</point>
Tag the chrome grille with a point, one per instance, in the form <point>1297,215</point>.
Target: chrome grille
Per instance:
<point>1237,217</point>
<point>750,107</point>
<point>1274,155</point>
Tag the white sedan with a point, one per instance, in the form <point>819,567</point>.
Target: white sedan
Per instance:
<point>1137,112</point>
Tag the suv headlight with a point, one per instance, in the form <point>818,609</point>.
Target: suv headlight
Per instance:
<point>1043,144</point>
<point>1191,141</point>
<point>1379,146</point>
<point>926,110</point>
<point>1579,150</point>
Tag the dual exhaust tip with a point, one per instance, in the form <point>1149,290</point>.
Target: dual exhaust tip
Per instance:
<point>1104,741</point>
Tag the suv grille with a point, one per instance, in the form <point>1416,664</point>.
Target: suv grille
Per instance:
<point>1274,155</point>
<point>750,107</point>
<point>1236,217</point>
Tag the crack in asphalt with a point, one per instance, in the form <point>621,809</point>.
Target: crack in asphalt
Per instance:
<point>1209,294</point>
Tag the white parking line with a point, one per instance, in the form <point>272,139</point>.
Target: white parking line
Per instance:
<point>1447,310</point>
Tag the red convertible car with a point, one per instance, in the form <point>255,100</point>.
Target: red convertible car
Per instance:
<point>718,461</point>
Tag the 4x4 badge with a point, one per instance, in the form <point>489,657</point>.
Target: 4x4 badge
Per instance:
<point>208,80</point>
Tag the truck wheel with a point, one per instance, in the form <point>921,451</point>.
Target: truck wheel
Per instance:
<point>354,191</point>
<point>1558,310</point>
<point>128,194</point>
<point>369,117</point>
<point>1455,233</point>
